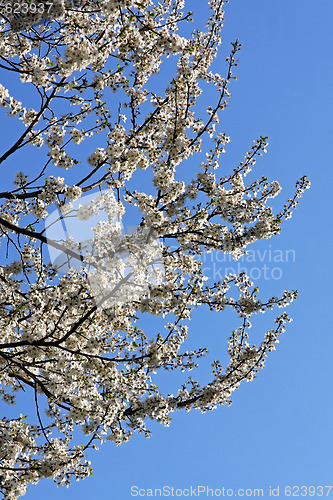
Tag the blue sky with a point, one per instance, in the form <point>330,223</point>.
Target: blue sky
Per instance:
<point>278,431</point>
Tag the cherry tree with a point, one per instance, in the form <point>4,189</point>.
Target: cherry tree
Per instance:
<point>103,128</point>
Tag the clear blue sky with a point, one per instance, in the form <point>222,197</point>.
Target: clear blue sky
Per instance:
<point>278,431</point>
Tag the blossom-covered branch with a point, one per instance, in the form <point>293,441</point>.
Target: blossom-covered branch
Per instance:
<point>102,143</point>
